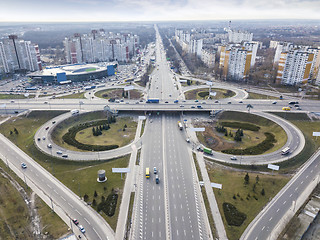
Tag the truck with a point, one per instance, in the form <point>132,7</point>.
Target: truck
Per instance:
<point>152,100</point>
<point>180,125</point>
<point>207,151</point>
<point>74,111</point>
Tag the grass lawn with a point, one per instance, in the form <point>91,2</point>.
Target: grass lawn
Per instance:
<point>221,93</point>
<point>260,96</point>
<point>115,135</point>
<point>218,141</point>
<point>80,177</point>
<point>117,93</point>
<point>14,215</point>
<point>234,191</point>
<point>52,225</point>
<point>74,95</point>
<point>14,96</point>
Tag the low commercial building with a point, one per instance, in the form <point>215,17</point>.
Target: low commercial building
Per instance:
<point>74,73</point>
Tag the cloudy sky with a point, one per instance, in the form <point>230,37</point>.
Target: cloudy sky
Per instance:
<point>153,10</point>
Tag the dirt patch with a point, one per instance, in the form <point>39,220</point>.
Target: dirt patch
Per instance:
<point>215,140</point>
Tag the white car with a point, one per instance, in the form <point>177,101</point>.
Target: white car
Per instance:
<point>82,229</point>
<point>233,158</point>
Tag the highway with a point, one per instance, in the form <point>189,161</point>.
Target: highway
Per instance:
<point>67,204</point>
<point>170,209</point>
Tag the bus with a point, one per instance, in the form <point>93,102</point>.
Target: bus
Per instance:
<point>147,173</point>
<point>180,125</point>
<point>285,151</point>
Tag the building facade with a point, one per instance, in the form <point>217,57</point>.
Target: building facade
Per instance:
<point>19,55</point>
<point>99,46</point>
<point>208,57</point>
<point>294,67</point>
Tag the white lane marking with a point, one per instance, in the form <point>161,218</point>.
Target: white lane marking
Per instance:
<point>70,205</point>
<point>87,220</point>
<point>63,198</point>
<point>284,202</point>
<point>49,186</point>
<point>290,195</point>
<point>55,191</point>
<point>270,219</point>
<point>96,233</point>
<point>263,228</point>
<point>278,210</point>
<point>78,212</point>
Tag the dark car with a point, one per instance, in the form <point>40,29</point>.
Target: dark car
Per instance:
<point>47,128</point>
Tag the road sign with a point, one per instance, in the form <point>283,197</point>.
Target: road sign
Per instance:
<point>182,81</point>
<point>216,185</point>
<point>316,134</point>
<point>142,117</point>
<point>273,167</point>
<point>198,129</point>
<point>212,93</point>
<point>127,88</point>
<point>26,94</point>
<point>120,170</point>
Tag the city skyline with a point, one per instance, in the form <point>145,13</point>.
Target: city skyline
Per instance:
<point>158,10</point>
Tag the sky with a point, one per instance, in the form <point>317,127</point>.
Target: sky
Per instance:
<point>154,10</point>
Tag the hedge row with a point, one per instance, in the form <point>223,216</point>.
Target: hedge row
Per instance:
<point>70,139</point>
<point>203,94</point>
<point>233,216</point>
<point>255,150</point>
<point>244,126</point>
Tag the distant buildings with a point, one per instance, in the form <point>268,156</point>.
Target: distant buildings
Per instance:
<point>238,36</point>
<point>208,57</point>
<point>18,55</point>
<point>99,46</point>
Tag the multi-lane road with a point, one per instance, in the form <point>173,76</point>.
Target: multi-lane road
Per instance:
<point>173,208</point>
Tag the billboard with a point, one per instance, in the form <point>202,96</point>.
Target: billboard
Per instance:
<point>110,70</point>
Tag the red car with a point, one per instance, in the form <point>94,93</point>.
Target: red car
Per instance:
<point>75,221</point>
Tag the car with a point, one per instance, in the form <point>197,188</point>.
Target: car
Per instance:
<point>39,139</point>
<point>184,101</point>
<point>188,140</point>
<point>175,101</point>
<point>274,102</point>
<point>82,229</point>
<point>199,106</point>
<point>196,101</point>
<point>59,152</point>
<point>166,102</point>
<point>12,101</point>
<point>23,165</point>
<point>47,128</point>
<point>181,105</point>
<point>157,179</point>
<point>127,102</point>
<point>296,105</point>
<point>240,101</point>
<point>233,158</point>
<point>64,155</point>
<point>229,102</point>
<point>46,102</point>
<point>193,107</point>
<point>43,138</point>
<point>199,148</point>
<point>216,101</point>
<point>49,145</point>
<point>298,108</point>
<point>53,122</point>
<point>137,102</point>
<point>155,170</point>
<point>204,103</point>
<point>75,221</point>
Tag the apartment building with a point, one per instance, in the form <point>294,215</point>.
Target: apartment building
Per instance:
<point>235,62</point>
<point>99,46</point>
<point>294,67</point>
<point>208,57</point>
<point>19,55</point>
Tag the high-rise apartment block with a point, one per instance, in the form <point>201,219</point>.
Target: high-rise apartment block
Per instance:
<point>208,57</point>
<point>294,67</point>
<point>99,46</point>
<point>235,62</point>
<point>19,55</point>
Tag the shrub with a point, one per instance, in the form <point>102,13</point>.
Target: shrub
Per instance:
<point>232,215</point>
<point>255,150</point>
<point>109,205</point>
<point>242,125</point>
<point>203,94</point>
